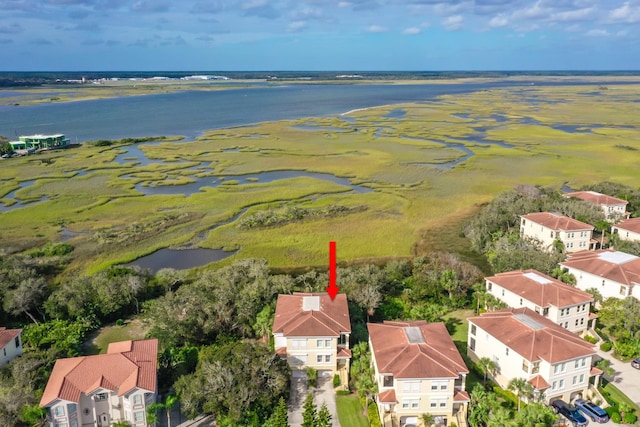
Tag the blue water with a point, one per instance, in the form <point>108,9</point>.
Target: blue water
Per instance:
<point>191,113</point>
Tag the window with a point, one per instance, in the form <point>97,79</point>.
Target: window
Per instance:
<point>387,381</point>
<point>603,283</point>
<point>439,384</point>
<point>410,386</point>
<point>101,396</point>
<point>566,325</point>
<point>503,292</point>
<point>410,403</point>
<point>561,385</point>
<point>17,341</point>
<point>582,321</point>
<point>520,301</point>
<point>581,378</point>
<point>623,290</point>
<point>299,343</point>
<point>577,363</point>
<point>577,321</point>
<point>536,368</point>
<point>299,359</point>
<point>137,399</point>
<point>59,411</point>
<point>575,380</point>
<point>72,408</point>
<point>441,403</point>
<point>554,386</point>
<point>472,344</point>
<point>525,366</point>
<point>584,361</point>
<point>4,352</point>
<point>473,329</point>
<point>327,358</point>
<point>74,423</point>
<point>506,351</point>
<point>320,343</point>
<point>319,358</point>
<point>138,416</point>
<point>489,286</point>
<point>327,343</point>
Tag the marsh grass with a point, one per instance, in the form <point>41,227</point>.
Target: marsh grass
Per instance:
<point>415,208</point>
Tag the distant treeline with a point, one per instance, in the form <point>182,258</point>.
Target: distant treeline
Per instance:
<point>8,79</point>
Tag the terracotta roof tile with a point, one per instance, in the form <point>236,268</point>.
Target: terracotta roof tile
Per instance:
<point>539,383</point>
<point>461,396</point>
<point>330,320</point>
<point>596,198</point>
<point>532,336</point>
<point>609,264</point>
<point>557,222</point>
<point>432,356</point>
<point>595,371</point>
<point>8,335</point>
<point>126,370</point>
<point>344,353</point>
<point>540,289</point>
<point>631,224</point>
<point>388,396</point>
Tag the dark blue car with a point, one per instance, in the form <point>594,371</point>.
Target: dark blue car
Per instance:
<point>569,412</point>
<point>592,411</point>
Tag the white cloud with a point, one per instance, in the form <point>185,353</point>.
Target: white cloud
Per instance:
<point>625,14</point>
<point>296,26</point>
<point>376,29</point>
<point>596,32</point>
<point>412,31</point>
<point>573,15</point>
<point>453,23</point>
<point>499,21</point>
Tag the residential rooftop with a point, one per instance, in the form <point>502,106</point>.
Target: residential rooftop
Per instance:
<point>557,222</point>
<point>606,263</point>
<point>311,315</point>
<point>596,198</point>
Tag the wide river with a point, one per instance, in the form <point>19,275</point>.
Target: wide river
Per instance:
<point>193,112</point>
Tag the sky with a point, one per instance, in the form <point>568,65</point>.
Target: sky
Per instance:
<point>354,35</point>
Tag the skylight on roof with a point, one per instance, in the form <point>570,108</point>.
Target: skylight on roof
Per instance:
<point>537,278</point>
<point>595,193</point>
<point>311,303</point>
<point>616,257</point>
<point>528,321</point>
<point>414,335</point>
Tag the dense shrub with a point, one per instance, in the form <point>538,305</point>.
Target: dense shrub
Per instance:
<point>616,418</point>
<point>312,377</point>
<point>372,412</point>
<point>336,380</point>
<point>590,339</point>
<point>630,418</point>
<point>606,346</point>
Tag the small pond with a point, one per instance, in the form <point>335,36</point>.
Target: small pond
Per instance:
<point>179,259</point>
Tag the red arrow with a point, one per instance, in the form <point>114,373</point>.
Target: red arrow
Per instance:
<point>333,288</point>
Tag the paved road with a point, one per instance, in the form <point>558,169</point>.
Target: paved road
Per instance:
<point>626,378</point>
<point>324,392</point>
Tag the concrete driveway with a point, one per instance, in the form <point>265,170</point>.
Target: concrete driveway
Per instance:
<point>626,378</point>
<point>324,392</point>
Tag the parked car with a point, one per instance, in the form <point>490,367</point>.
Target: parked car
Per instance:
<point>635,363</point>
<point>591,410</point>
<point>569,412</point>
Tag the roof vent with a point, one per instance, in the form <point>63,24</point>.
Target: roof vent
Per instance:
<point>537,278</point>
<point>311,303</point>
<point>414,335</point>
<point>528,321</point>
<point>616,257</point>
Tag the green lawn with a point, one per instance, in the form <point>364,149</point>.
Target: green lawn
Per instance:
<point>350,412</point>
<point>131,330</point>
<point>618,396</point>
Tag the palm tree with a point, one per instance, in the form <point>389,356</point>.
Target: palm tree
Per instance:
<point>169,402</point>
<point>520,387</point>
<point>486,365</point>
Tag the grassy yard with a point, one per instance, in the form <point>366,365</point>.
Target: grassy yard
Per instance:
<point>131,330</point>
<point>350,412</point>
<point>615,394</point>
<point>458,327</point>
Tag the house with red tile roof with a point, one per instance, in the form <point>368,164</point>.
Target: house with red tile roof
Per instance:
<point>614,209</point>
<point>524,344</point>
<point>565,305</point>
<point>418,370</point>
<point>10,344</point>
<point>102,389</point>
<point>548,227</point>
<point>311,330</point>
<point>613,273</point>
<point>629,229</point>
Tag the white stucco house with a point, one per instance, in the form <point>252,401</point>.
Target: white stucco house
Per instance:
<point>563,304</point>
<point>524,344</point>
<point>311,330</point>
<point>612,273</point>
<point>613,208</point>
<point>418,370</point>
<point>628,229</point>
<point>105,388</point>
<point>548,227</point>
<point>10,344</point>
